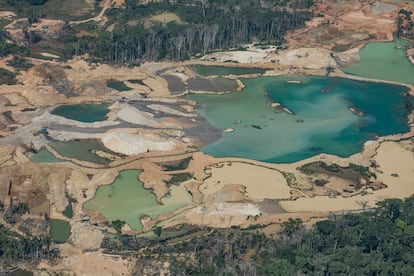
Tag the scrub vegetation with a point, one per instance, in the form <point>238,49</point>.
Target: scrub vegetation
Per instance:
<point>375,242</point>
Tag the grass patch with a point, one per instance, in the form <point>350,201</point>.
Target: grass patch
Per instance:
<point>4,22</point>
<point>362,170</point>
<point>176,165</point>
<point>20,63</point>
<point>7,77</point>
<point>166,17</point>
<point>8,115</point>
<point>314,167</point>
<point>140,82</point>
<point>351,173</point>
<point>290,179</point>
<point>320,182</point>
<point>179,178</point>
<point>68,10</point>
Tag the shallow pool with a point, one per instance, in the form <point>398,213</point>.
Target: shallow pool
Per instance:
<point>385,61</point>
<point>59,230</point>
<point>127,199</point>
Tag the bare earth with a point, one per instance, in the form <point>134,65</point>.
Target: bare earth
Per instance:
<point>225,191</point>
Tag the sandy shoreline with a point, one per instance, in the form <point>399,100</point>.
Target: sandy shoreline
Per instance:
<point>152,129</point>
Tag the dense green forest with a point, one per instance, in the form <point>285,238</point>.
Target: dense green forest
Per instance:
<point>182,29</point>
<point>202,27</point>
<point>375,242</point>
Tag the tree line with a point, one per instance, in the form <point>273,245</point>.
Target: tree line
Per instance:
<point>375,242</point>
<point>405,24</point>
<point>15,248</point>
<point>206,26</point>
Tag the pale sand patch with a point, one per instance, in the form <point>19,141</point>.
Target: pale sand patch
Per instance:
<point>223,215</point>
<point>166,17</point>
<point>356,17</point>
<point>309,58</point>
<point>392,158</point>
<point>169,110</point>
<point>152,178</point>
<point>260,182</point>
<point>305,58</point>
<point>235,209</point>
<point>396,158</point>
<point>85,236</point>
<point>49,55</point>
<point>88,264</point>
<point>7,14</point>
<point>111,28</point>
<point>58,200</point>
<point>135,116</point>
<point>131,143</point>
<point>410,55</point>
<point>4,63</point>
<point>237,56</point>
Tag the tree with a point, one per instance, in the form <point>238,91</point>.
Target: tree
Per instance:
<point>157,231</point>
<point>326,227</point>
<point>278,267</point>
<point>292,231</point>
<point>117,225</point>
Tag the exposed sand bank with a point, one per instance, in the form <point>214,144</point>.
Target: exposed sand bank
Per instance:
<point>135,143</point>
<point>260,182</point>
<point>225,191</point>
<point>398,176</point>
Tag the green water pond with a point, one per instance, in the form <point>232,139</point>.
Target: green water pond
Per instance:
<point>126,199</point>
<point>322,121</point>
<point>68,212</point>
<point>59,230</point>
<point>118,85</point>
<point>82,150</point>
<point>44,156</point>
<point>384,61</point>
<point>206,70</point>
<point>87,113</point>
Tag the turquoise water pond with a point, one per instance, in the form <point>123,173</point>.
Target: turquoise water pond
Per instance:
<point>87,113</point>
<point>127,199</point>
<point>385,61</point>
<point>322,120</point>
